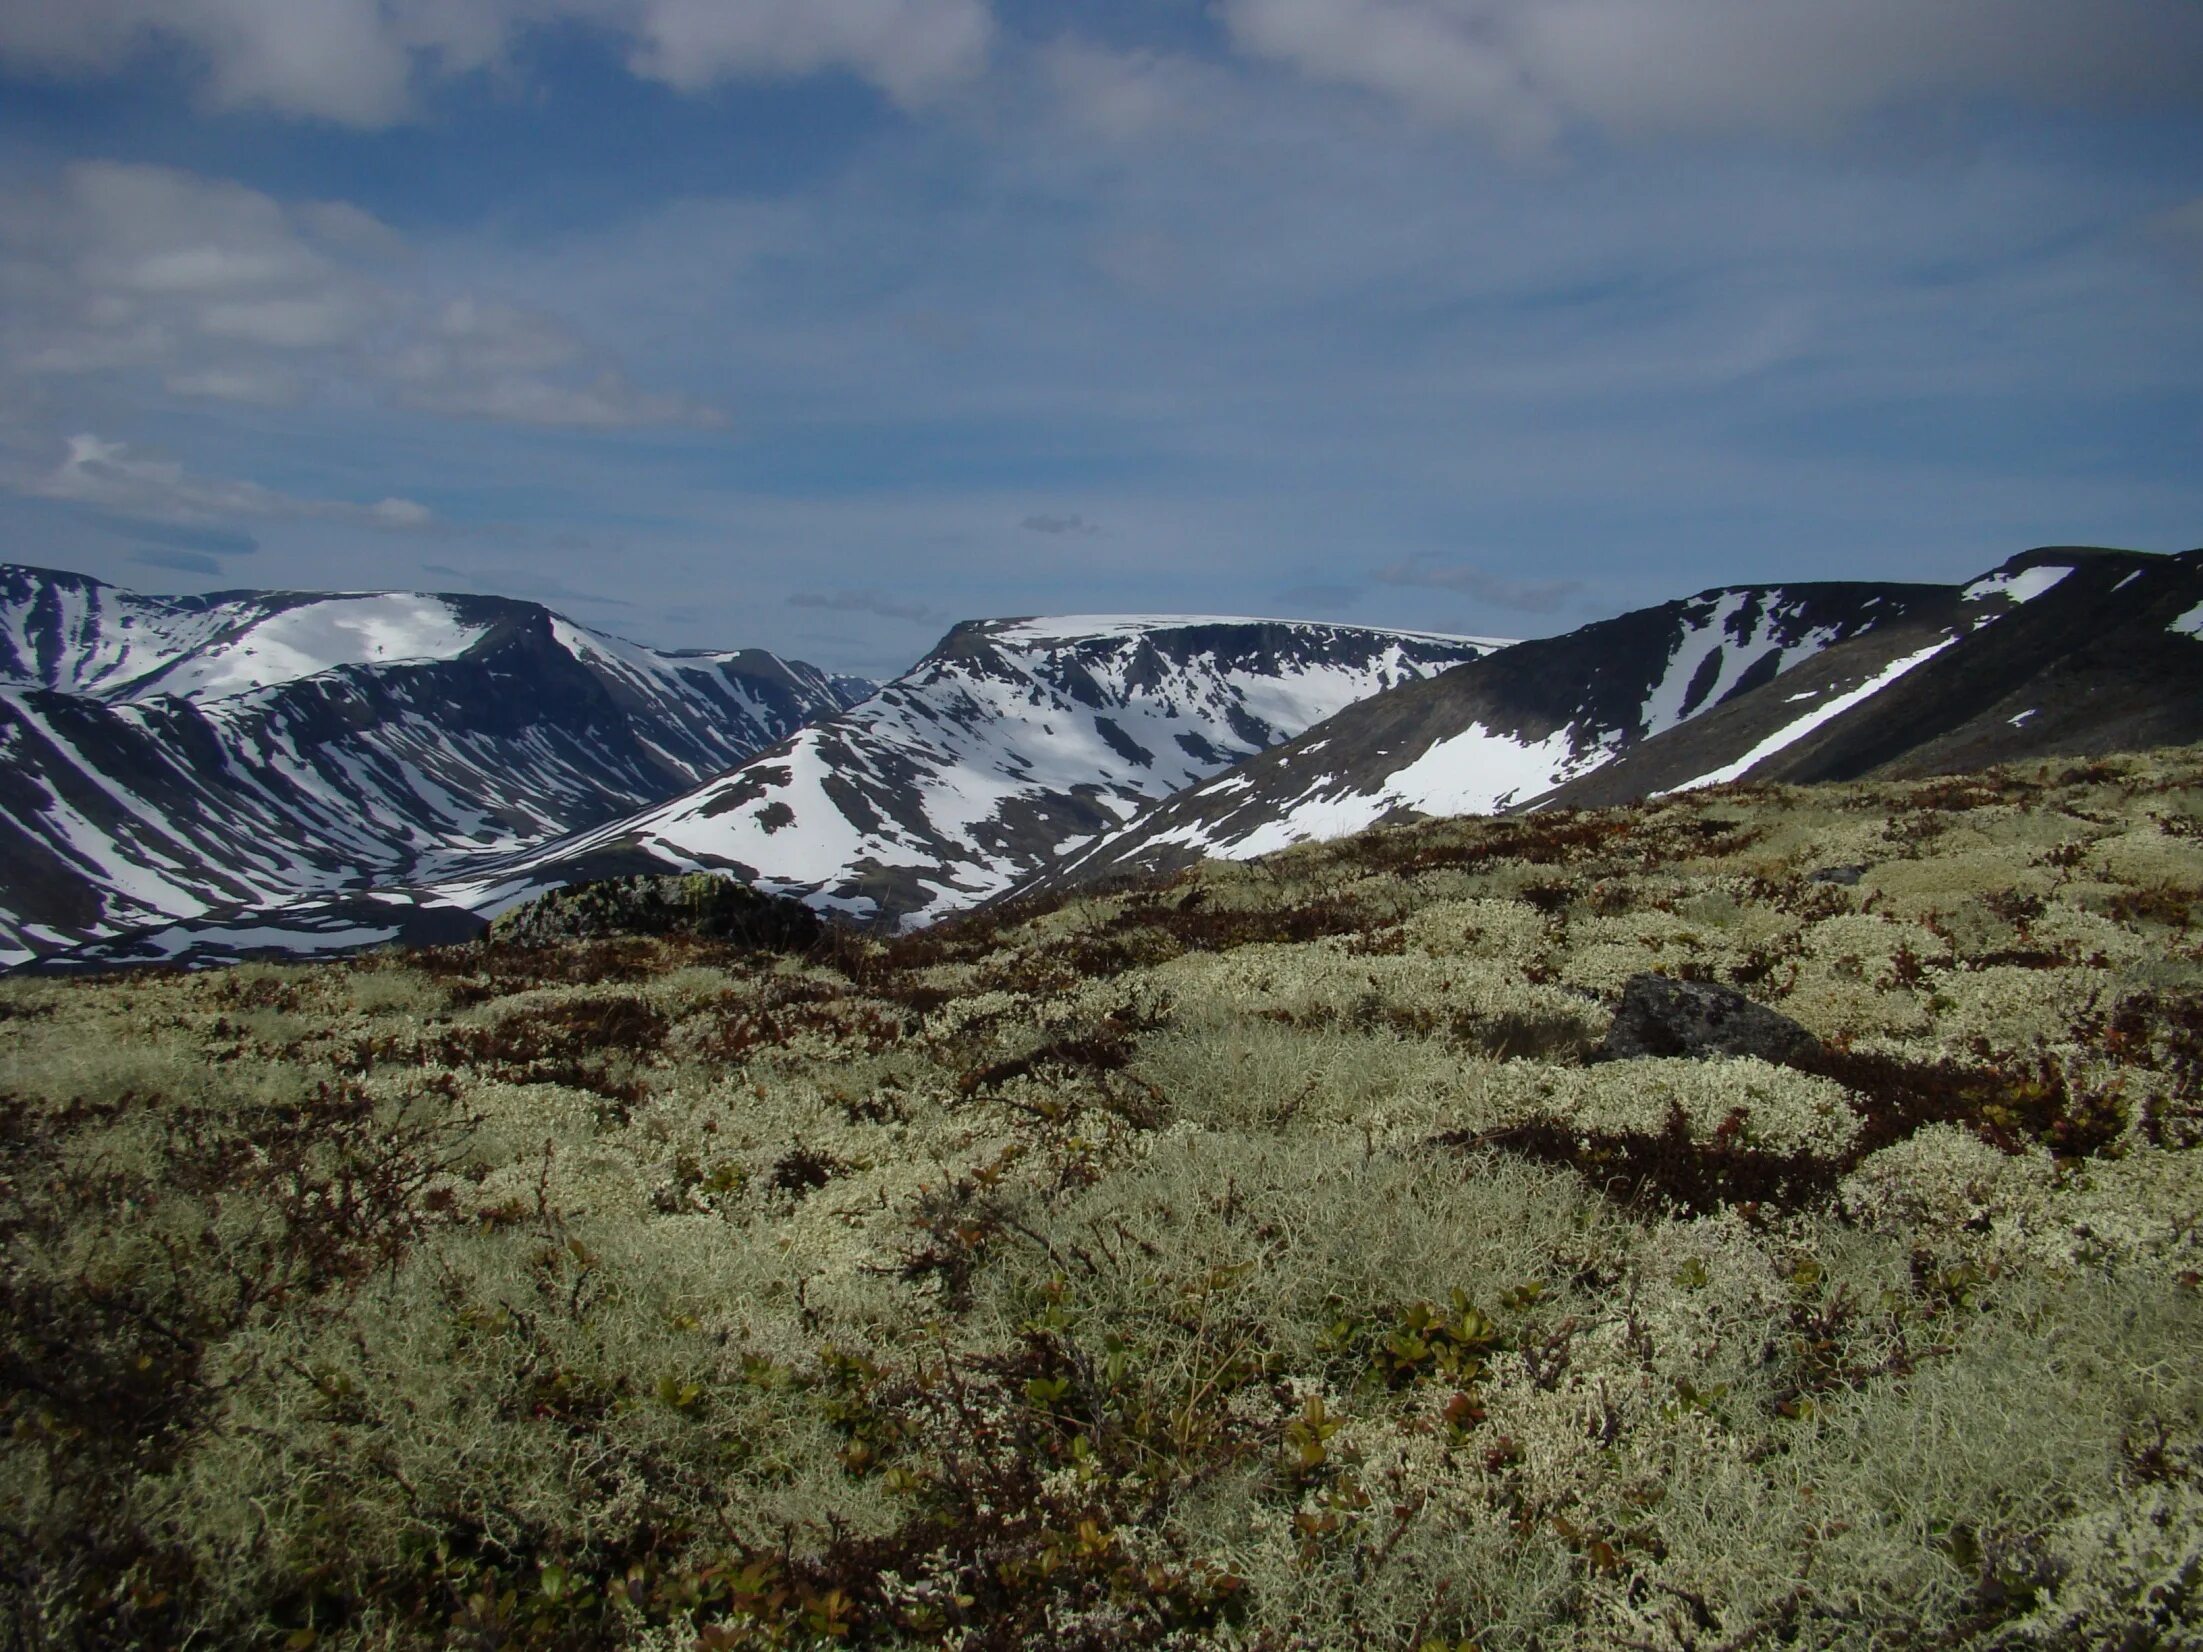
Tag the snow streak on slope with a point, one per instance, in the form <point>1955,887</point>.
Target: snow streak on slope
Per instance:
<point>1726,638</point>
<point>1791,733</point>
<point>1497,735</point>
<point>1012,740</point>
<point>73,633</point>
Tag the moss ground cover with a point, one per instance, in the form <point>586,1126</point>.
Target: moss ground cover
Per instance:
<point>1248,1260</point>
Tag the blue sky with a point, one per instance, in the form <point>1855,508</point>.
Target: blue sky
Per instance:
<point>817,324</point>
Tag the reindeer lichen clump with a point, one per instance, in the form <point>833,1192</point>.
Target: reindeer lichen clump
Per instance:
<point>1260,1258</point>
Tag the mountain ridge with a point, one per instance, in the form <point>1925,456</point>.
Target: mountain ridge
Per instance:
<point>1696,691</point>
<point>163,756</point>
<point>1036,753</point>
<point>1010,739</point>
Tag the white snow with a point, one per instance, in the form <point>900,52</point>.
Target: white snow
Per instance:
<point>2129,580</point>
<point>1709,634</point>
<point>1476,771</point>
<point>320,636</point>
<point>2189,624</point>
<point>2021,719</point>
<point>1047,629</point>
<point>1790,734</point>
<point>277,811</point>
<point>2024,585</point>
<point>1313,820</point>
<point>106,637</point>
<point>952,757</point>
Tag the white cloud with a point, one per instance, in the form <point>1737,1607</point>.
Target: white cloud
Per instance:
<point>1525,69</point>
<point>912,49</point>
<point>401,513</point>
<point>109,477</point>
<point>1438,58</point>
<point>610,402</point>
<point>359,62</point>
<point>228,295</point>
<point>252,386</point>
<point>487,360</point>
<point>309,322</point>
<point>1126,96</point>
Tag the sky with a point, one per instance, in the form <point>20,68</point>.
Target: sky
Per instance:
<point>817,325</point>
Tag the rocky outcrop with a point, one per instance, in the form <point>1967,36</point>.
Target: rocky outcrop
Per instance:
<point>697,904</point>
<point>1663,1017</point>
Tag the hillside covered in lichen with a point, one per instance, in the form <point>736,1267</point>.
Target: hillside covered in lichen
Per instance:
<point>1253,1259</point>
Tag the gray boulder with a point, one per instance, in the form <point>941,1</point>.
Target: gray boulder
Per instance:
<point>1663,1017</point>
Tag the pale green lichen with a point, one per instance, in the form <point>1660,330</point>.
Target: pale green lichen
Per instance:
<point>1252,1262</point>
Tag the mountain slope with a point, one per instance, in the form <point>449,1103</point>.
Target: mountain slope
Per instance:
<point>1010,741</point>
<point>161,756</point>
<point>2060,650</point>
<point>1494,734</point>
<point>2064,651</point>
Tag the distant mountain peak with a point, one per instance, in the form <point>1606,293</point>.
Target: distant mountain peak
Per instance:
<point>1011,739</point>
<point>368,798</point>
<point>162,756</point>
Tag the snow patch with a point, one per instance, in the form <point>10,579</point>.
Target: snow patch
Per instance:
<point>2022,585</point>
<point>321,636</point>
<point>2189,624</point>
<point>1476,771</point>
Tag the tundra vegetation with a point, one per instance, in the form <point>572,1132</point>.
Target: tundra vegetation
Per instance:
<point>1247,1260</point>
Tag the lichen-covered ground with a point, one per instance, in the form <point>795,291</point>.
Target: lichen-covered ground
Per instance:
<point>1246,1261</point>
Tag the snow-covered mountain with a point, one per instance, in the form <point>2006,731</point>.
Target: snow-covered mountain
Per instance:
<point>2067,651</point>
<point>161,756</point>
<point>1011,742</point>
<point>2060,650</point>
<point>1019,755</point>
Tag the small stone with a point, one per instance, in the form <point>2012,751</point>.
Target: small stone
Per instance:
<point>1836,874</point>
<point>1664,1017</point>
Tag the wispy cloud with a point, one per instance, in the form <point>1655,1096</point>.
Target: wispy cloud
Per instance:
<point>1526,596</point>
<point>204,543</point>
<point>220,293</point>
<point>1527,71</point>
<point>866,602</point>
<point>1321,599</point>
<point>363,63</point>
<point>1074,525</point>
<point>115,481</point>
<point>2178,233</point>
<point>182,562</point>
<point>532,583</point>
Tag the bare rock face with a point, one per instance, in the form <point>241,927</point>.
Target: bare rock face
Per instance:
<point>1663,1017</point>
